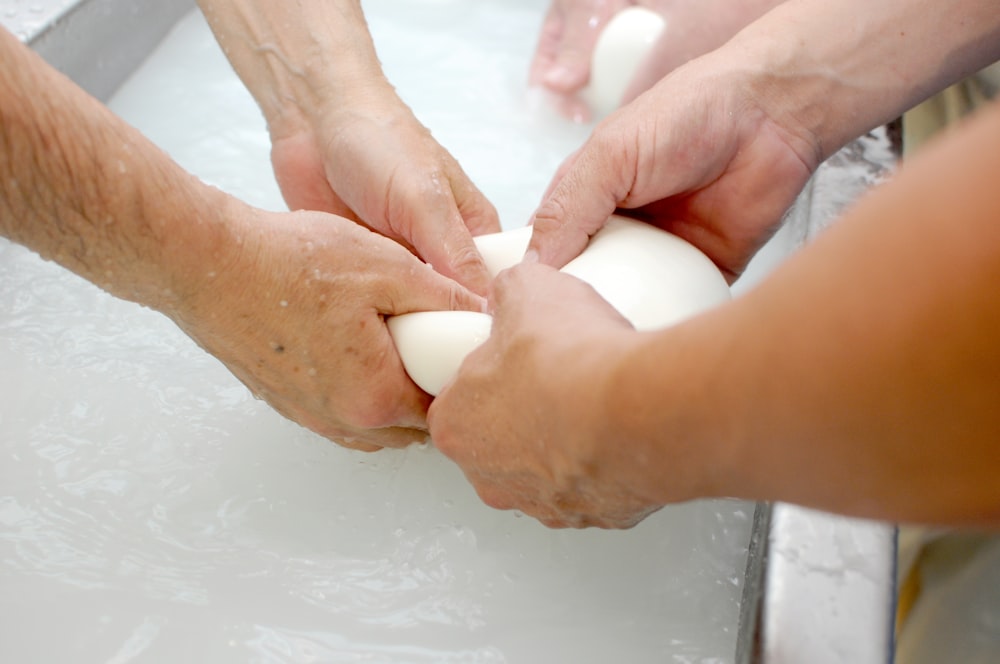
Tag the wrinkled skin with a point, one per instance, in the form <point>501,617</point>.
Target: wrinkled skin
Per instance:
<point>296,310</point>
<point>294,303</point>
<point>342,140</point>
<point>376,164</point>
<point>523,418</point>
<point>700,155</point>
<point>562,59</point>
<point>561,63</point>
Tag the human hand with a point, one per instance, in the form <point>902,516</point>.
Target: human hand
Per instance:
<point>296,310</point>
<point>561,63</point>
<point>525,418</point>
<point>342,140</point>
<point>706,154</point>
<point>563,57</point>
<point>373,162</point>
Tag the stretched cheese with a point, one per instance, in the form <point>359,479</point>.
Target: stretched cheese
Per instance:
<point>653,278</point>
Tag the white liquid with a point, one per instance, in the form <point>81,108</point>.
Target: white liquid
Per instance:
<point>151,510</point>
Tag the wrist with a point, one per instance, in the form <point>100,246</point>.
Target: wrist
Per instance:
<point>630,414</point>
<point>667,405</point>
<point>321,56</point>
<point>793,97</point>
<point>199,260</point>
<point>831,72</point>
<point>319,114</point>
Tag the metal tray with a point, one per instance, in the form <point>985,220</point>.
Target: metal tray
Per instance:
<point>818,588</point>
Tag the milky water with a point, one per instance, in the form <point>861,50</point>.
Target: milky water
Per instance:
<point>151,510</point>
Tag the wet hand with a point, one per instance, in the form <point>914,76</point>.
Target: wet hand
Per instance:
<point>706,154</point>
<point>296,309</point>
<point>561,63</point>
<point>373,162</point>
<point>525,418</point>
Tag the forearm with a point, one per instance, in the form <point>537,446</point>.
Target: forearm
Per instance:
<point>82,188</point>
<point>837,69</point>
<point>322,53</point>
<point>709,24</point>
<point>862,377</point>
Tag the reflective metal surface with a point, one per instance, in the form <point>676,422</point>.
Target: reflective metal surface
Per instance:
<point>818,588</point>
<point>96,43</point>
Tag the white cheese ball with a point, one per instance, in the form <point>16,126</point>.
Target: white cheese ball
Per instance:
<point>651,277</point>
<point>621,47</point>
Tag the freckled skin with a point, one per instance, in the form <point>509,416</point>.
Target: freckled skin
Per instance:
<point>337,280</point>
<point>342,140</point>
<point>867,361</point>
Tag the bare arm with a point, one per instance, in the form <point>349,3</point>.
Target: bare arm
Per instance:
<point>717,151</point>
<point>292,303</point>
<point>863,377</point>
<point>84,189</point>
<point>343,141</point>
<point>571,29</point>
<point>838,69</point>
<point>296,57</point>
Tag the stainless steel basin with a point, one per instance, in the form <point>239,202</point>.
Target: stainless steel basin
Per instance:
<point>818,588</point>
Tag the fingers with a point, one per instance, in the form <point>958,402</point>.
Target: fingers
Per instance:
<point>548,43</point>
<point>422,288</point>
<point>566,43</point>
<point>507,421</point>
<point>563,169</point>
<point>298,169</point>
<point>479,215</point>
<point>515,288</point>
<point>417,193</point>
<point>450,250</point>
<point>441,228</point>
<point>378,165</point>
<point>373,440</point>
<point>569,70</point>
<point>579,203</point>
<point>563,509</point>
<point>548,68</point>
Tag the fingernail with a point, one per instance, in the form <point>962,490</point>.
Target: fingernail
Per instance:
<point>530,256</point>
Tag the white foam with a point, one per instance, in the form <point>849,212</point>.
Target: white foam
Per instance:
<point>150,508</point>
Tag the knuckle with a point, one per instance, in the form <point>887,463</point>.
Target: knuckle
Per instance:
<point>551,214</point>
<point>494,497</point>
<point>375,410</point>
<point>464,255</point>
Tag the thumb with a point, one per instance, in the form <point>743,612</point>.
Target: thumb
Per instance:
<point>582,25</point>
<point>569,69</point>
<point>577,206</point>
<point>450,249</point>
<point>426,289</point>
